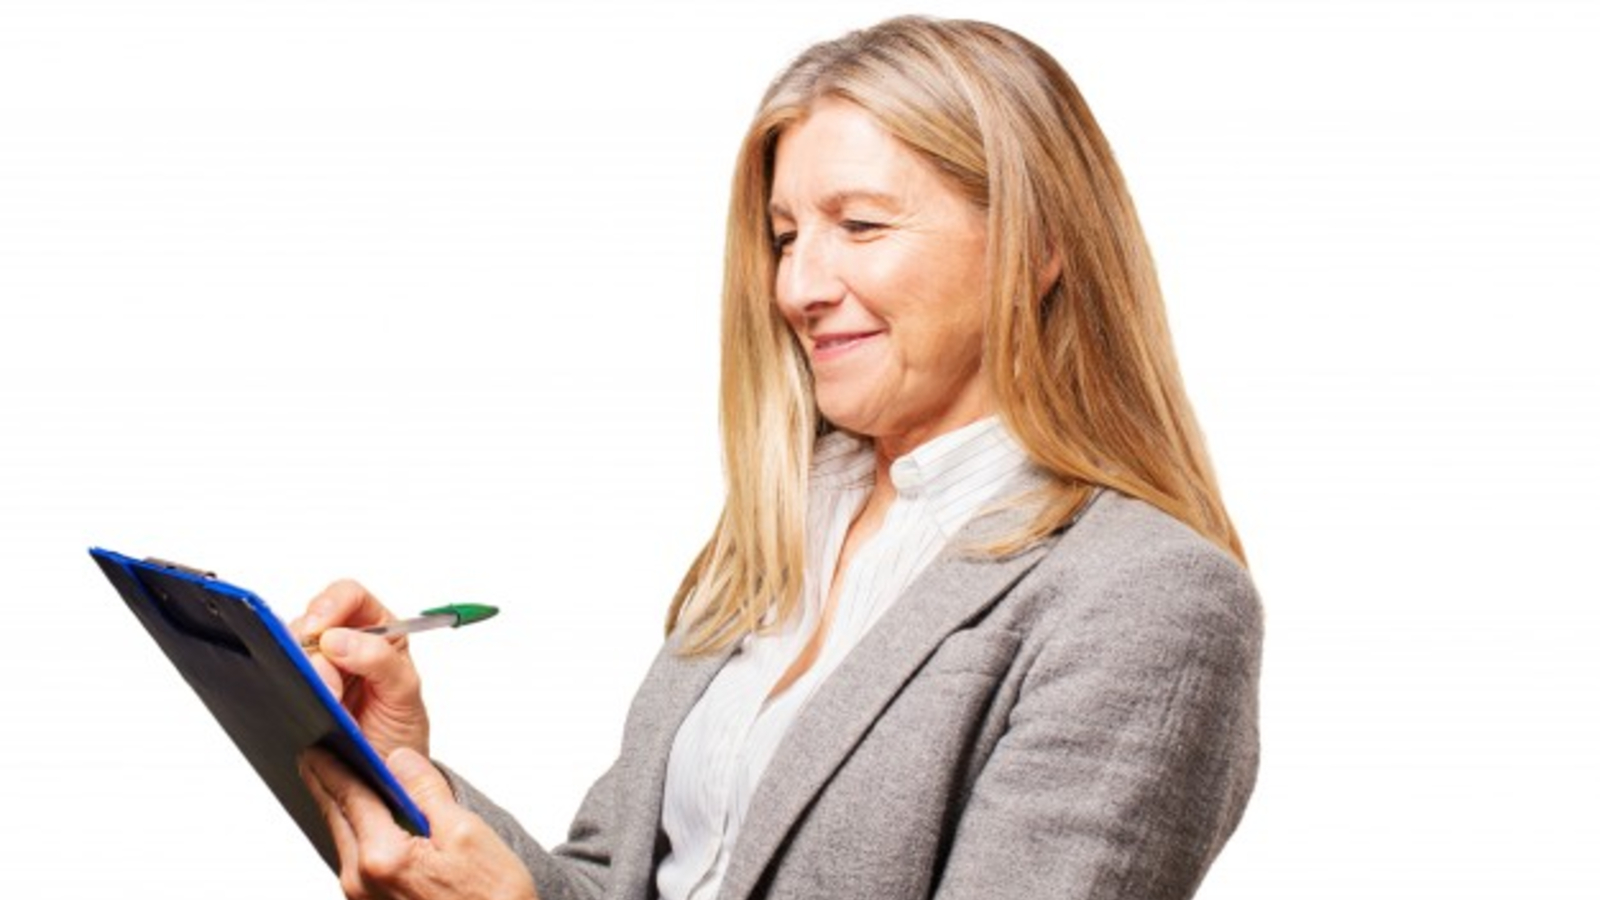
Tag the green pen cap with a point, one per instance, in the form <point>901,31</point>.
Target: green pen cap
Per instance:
<point>465,613</point>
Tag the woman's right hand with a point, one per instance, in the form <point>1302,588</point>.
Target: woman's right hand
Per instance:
<point>372,676</point>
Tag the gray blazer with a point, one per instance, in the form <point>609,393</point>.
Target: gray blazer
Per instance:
<point>1078,721</point>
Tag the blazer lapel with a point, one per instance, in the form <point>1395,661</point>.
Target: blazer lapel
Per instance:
<point>956,588</point>
<point>671,689</point>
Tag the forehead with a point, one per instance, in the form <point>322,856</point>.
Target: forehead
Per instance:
<point>839,151</point>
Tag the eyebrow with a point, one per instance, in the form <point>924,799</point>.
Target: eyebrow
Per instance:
<point>835,199</point>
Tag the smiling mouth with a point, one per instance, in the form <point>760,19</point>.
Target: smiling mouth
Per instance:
<point>834,343</point>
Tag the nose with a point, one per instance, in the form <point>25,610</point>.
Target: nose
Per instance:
<point>807,276</point>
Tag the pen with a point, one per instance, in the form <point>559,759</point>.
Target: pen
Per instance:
<point>453,615</point>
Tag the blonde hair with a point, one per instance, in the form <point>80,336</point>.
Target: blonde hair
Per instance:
<point>1091,388</point>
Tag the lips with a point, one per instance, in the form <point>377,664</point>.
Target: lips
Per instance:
<point>827,345</point>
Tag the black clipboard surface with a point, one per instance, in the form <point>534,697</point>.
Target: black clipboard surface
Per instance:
<point>256,681</point>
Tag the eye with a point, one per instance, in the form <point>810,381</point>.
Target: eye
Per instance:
<point>782,241</point>
<point>861,226</point>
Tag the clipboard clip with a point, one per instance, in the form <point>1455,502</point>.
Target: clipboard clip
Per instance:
<point>180,567</point>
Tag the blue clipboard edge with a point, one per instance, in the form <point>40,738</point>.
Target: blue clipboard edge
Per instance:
<point>406,811</point>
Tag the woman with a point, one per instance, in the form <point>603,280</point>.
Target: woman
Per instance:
<point>974,621</point>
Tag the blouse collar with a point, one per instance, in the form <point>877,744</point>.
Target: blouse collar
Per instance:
<point>954,474</point>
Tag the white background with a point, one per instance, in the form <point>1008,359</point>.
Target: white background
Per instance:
<point>425,293</point>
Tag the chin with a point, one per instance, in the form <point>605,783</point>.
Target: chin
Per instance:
<point>861,426</point>
<point>867,413</point>
<point>844,421</point>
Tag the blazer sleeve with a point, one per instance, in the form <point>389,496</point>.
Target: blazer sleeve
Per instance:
<point>1132,747</point>
<point>577,869</point>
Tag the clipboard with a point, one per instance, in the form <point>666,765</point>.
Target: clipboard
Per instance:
<point>256,681</point>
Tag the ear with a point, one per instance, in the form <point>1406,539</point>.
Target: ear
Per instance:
<point>1049,275</point>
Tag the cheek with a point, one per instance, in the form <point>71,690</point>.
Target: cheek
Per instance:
<point>944,331</point>
<point>942,305</point>
<point>966,312</point>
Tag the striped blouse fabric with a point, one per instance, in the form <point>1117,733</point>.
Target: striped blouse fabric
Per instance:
<point>729,738</point>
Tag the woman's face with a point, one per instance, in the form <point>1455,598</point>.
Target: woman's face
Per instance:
<point>882,278</point>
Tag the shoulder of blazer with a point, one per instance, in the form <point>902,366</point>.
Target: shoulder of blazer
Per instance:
<point>1127,561</point>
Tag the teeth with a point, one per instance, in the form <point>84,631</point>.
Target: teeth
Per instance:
<point>829,343</point>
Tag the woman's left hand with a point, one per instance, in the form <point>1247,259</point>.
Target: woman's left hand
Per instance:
<point>378,860</point>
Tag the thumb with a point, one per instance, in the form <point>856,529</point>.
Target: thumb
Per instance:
<point>424,784</point>
<point>381,663</point>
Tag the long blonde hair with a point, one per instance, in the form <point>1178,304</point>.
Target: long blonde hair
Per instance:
<point>1082,371</point>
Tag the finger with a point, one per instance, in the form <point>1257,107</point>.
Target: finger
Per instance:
<point>424,784</point>
<point>345,794</point>
<point>313,763</point>
<point>464,857</point>
<point>344,603</point>
<point>377,847</point>
<point>329,673</point>
<point>384,664</point>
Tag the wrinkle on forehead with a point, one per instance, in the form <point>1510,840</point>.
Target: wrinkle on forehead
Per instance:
<point>828,161</point>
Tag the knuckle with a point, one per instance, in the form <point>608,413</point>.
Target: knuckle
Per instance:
<point>338,591</point>
<point>342,592</point>
<point>350,882</point>
<point>382,862</point>
<point>402,674</point>
<point>459,832</point>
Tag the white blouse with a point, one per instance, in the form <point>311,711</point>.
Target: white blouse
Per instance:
<point>728,738</point>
